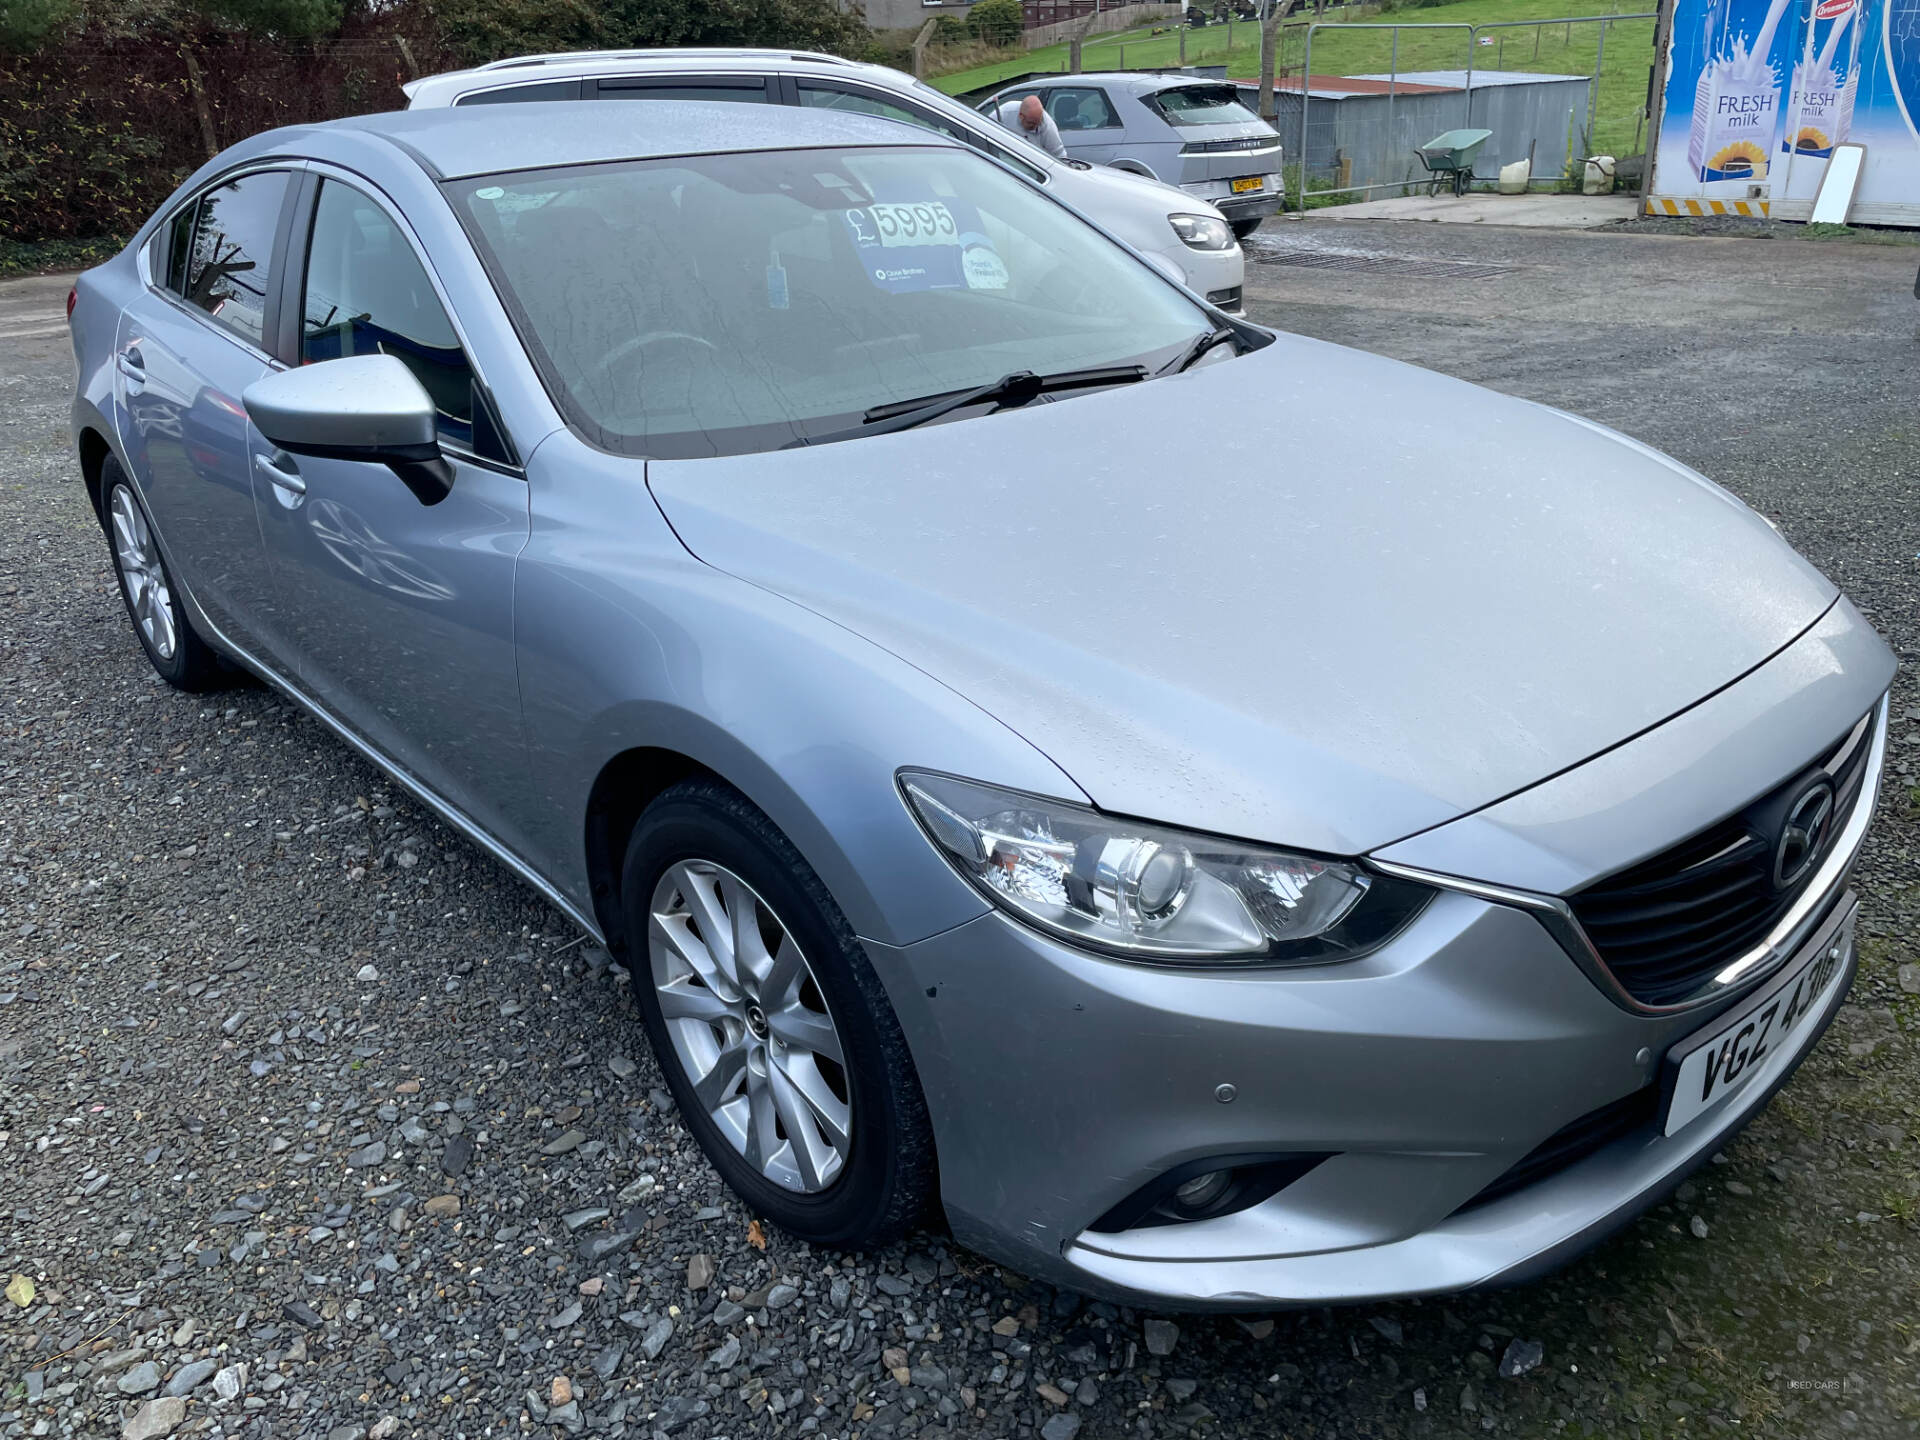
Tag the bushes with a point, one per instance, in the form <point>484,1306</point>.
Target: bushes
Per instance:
<point>100,121</point>
<point>997,22</point>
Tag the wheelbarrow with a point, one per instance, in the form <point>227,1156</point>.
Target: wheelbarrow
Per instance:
<point>1449,158</point>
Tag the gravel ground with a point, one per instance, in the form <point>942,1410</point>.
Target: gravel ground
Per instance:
<point>314,1123</point>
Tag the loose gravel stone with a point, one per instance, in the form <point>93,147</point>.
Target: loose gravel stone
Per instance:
<point>230,1382</point>
<point>1061,1427</point>
<point>700,1271</point>
<point>190,1377</point>
<point>1520,1357</point>
<point>155,1418</point>
<point>140,1379</point>
<point>455,1158</point>
<point>1161,1336</point>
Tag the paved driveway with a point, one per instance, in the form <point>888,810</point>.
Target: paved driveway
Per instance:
<point>305,1104</point>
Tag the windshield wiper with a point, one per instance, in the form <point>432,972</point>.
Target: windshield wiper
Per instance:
<point>1201,345</point>
<point>1007,392</point>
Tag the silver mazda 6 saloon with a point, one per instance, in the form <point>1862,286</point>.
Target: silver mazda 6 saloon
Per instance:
<point>1351,865</point>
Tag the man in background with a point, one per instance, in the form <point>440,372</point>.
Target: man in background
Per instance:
<point>1029,120</point>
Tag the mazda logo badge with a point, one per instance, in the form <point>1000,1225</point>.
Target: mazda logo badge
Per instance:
<point>1803,835</point>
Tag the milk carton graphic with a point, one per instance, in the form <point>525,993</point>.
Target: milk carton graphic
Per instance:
<point>1736,105</point>
<point>1820,111</point>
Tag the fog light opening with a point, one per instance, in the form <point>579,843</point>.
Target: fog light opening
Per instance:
<point>1197,1194</point>
<point>1207,1189</point>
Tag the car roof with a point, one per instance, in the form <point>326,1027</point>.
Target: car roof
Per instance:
<point>489,139</point>
<point>1137,82</point>
<point>528,69</point>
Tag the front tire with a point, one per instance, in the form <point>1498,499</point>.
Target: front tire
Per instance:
<point>775,1036</point>
<point>160,623</point>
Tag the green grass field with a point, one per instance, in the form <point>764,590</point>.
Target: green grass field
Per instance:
<point>1542,48</point>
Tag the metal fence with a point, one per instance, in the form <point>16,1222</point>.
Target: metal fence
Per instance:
<point>1362,99</point>
<point>1353,101</point>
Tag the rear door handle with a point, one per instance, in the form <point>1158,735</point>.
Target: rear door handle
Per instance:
<point>129,364</point>
<point>287,479</point>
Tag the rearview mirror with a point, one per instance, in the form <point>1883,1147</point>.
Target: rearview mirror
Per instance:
<point>365,407</point>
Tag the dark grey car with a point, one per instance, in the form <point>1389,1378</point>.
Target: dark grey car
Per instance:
<point>1184,130</point>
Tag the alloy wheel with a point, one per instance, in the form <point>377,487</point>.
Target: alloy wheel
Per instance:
<point>750,1026</point>
<point>148,594</point>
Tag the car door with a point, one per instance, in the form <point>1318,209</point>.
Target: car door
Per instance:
<point>402,611</point>
<point>1088,125</point>
<point>187,348</point>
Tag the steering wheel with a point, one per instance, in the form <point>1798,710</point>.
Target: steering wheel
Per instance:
<point>651,337</point>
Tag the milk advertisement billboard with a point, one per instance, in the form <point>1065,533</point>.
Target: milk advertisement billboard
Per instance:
<point>1758,92</point>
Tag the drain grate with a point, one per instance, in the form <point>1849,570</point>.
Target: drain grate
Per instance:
<point>1410,268</point>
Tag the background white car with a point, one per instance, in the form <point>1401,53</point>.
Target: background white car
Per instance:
<point>1158,220</point>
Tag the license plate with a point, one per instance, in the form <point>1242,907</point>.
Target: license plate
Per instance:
<point>1770,1028</point>
<point>1247,183</point>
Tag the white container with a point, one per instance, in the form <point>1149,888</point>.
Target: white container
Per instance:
<point>1598,179</point>
<point>1514,177</point>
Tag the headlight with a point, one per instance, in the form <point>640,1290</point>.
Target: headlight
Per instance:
<point>1202,232</point>
<point>1154,893</point>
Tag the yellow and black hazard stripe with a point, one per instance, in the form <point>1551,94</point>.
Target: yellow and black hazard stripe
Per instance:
<point>1661,205</point>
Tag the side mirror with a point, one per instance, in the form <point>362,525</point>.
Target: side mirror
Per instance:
<point>365,407</point>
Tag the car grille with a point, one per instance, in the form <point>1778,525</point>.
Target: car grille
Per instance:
<point>1666,925</point>
<point>1229,147</point>
<point>1573,1143</point>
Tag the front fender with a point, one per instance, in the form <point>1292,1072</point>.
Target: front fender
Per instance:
<point>626,641</point>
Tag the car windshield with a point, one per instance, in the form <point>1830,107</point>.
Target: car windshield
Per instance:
<point>1202,105</point>
<point>720,304</point>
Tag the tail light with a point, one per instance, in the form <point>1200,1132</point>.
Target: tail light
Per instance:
<point>73,299</point>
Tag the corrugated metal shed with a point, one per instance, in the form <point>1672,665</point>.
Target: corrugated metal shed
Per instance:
<point>1377,121</point>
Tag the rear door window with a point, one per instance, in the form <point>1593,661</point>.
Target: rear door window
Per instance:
<point>749,89</point>
<point>1081,108</point>
<point>225,267</point>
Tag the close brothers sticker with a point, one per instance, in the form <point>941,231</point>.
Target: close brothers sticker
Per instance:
<point>915,245</point>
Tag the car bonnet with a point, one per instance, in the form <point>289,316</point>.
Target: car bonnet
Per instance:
<point>1308,595</point>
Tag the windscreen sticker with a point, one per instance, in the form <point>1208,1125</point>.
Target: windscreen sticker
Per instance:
<point>913,245</point>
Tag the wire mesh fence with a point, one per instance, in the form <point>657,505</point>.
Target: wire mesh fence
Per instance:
<point>1360,105</point>
<point>1354,112</point>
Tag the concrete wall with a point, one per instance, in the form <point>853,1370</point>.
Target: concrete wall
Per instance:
<point>1123,17</point>
<point>910,15</point>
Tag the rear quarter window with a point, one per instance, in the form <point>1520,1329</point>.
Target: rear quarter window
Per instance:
<point>510,94</point>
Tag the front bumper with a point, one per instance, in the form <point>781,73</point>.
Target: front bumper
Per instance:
<point>1257,205</point>
<point>1060,1083</point>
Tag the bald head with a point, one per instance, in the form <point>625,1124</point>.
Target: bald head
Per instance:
<point>1032,112</point>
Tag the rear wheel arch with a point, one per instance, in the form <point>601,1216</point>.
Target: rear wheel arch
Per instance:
<point>94,451</point>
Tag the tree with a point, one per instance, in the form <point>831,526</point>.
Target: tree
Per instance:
<point>998,22</point>
<point>480,30</point>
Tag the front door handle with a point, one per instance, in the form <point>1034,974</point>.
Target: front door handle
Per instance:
<point>287,479</point>
<point>129,364</point>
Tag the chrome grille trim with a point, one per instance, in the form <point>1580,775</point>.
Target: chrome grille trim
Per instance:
<point>1786,936</point>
